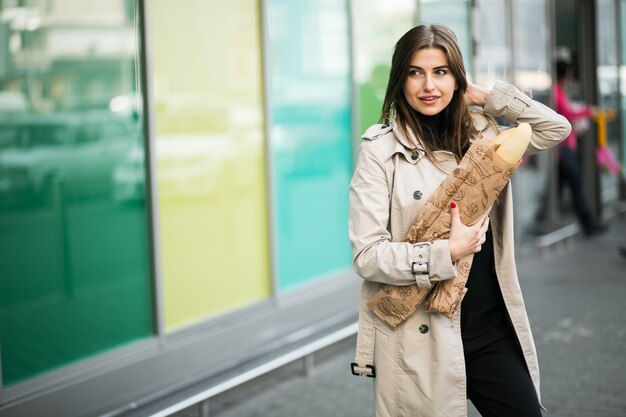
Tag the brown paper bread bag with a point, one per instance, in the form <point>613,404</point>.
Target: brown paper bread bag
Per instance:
<point>475,184</point>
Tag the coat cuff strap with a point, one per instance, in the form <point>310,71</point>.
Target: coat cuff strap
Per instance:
<point>420,266</point>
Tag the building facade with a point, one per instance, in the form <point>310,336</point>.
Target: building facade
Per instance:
<point>174,177</point>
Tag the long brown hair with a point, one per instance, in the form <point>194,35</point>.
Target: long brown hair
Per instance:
<point>456,120</point>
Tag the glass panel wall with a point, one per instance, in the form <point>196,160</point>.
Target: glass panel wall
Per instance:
<point>531,43</point>
<point>210,158</point>
<point>531,64</point>
<point>74,244</point>
<point>456,15</point>
<point>376,27</point>
<point>311,152</point>
<point>576,47</point>
<point>492,55</point>
<point>608,94</point>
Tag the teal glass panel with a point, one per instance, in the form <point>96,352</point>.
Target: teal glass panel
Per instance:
<point>310,137</point>
<point>75,274</point>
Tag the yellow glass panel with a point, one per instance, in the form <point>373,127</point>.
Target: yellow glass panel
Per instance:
<point>210,158</point>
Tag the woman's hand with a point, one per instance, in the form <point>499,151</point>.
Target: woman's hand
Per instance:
<point>476,95</point>
<point>465,240</point>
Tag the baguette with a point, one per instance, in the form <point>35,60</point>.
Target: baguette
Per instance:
<point>511,144</point>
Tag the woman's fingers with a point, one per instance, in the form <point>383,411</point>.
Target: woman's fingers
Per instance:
<point>454,213</point>
<point>482,225</point>
<point>463,239</point>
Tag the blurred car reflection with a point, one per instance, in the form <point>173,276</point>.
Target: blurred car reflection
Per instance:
<point>129,178</point>
<point>70,155</point>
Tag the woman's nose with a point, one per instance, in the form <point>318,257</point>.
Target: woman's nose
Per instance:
<point>428,83</point>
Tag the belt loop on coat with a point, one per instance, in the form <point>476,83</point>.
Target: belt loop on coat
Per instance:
<point>363,364</point>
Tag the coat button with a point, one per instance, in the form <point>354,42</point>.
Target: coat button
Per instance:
<point>414,155</point>
<point>423,329</point>
<point>417,195</point>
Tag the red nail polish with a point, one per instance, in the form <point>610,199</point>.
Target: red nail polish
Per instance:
<point>453,204</point>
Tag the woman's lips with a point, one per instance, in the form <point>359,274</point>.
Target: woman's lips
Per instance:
<point>429,99</point>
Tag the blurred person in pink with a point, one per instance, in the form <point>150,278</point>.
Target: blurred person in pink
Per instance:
<point>569,171</point>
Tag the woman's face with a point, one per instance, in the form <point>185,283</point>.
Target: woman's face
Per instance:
<point>430,85</point>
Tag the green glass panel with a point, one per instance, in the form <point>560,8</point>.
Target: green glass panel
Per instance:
<point>310,94</point>
<point>376,27</point>
<point>210,158</point>
<point>74,242</point>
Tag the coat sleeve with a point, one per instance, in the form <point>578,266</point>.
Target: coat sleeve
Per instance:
<point>549,127</point>
<point>375,256</point>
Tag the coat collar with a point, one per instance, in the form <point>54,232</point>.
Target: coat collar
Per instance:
<point>396,141</point>
<point>390,140</point>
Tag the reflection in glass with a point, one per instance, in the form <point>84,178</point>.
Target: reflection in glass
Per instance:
<point>493,50</point>
<point>531,73</point>
<point>73,220</point>
<point>531,42</point>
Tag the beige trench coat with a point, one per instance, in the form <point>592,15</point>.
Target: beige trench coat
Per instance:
<point>420,369</point>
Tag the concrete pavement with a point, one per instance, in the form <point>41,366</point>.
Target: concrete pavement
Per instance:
<point>575,296</point>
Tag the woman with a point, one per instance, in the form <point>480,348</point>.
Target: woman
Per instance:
<point>430,364</point>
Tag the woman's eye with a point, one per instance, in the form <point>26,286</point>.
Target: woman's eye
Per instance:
<point>441,72</point>
<point>414,73</point>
